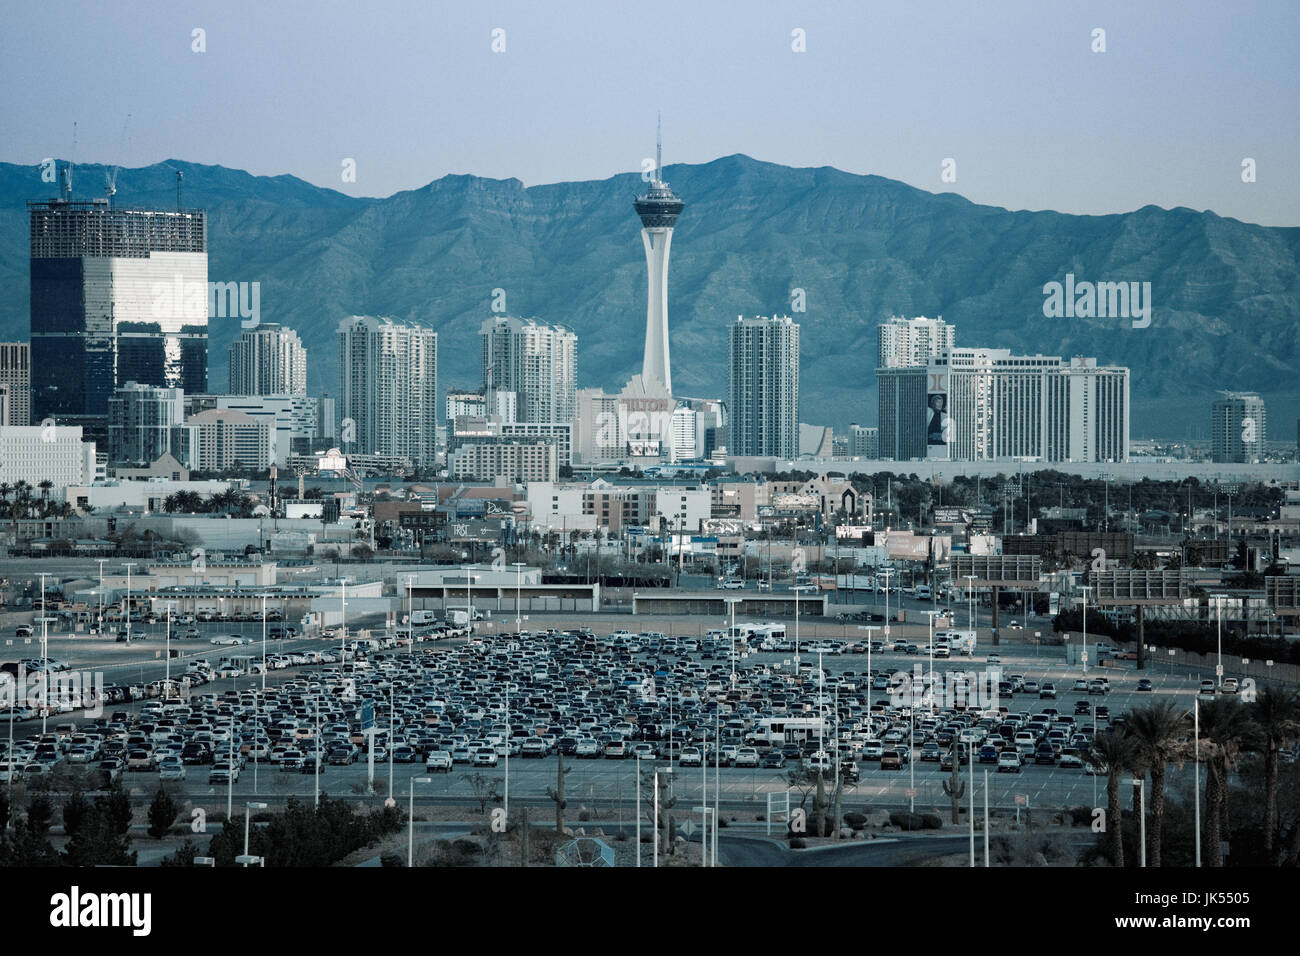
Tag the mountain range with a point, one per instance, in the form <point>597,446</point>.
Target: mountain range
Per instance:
<point>1226,294</point>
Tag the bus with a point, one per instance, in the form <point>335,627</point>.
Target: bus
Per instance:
<point>775,731</point>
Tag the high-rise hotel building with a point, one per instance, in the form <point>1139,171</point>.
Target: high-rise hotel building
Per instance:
<point>763,405</point>
<point>908,342</point>
<point>16,382</point>
<point>388,401</point>
<point>1238,427</point>
<point>537,363</point>
<point>117,295</point>
<point>268,359</point>
<point>989,404</point>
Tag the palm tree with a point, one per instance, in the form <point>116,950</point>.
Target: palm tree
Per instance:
<point>1115,753</point>
<point>1226,730</point>
<point>1159,730</point>
<point>1276,715</point>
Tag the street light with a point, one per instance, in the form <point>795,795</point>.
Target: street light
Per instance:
<point>888,573</point>
<point>410,821</point>
<point>129,566</point>
<point>931,615</point>
<point>45,656</point>
<point>970,600</point>
<point>1084,653</point>
<point>1140,783</point>
<point>868,628</point>
<point>1218,669</point>
<point>246,859</point>
<point>733,601</point>
<point>519,568</point>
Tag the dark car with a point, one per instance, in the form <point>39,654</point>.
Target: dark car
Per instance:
<point>1045,754</point>
<point>196,754</point>
<point>568,746</point>
<point>1145,684</point>
<point>772,760</point>
<point>1082,707</point>
<point>930,751</point>
<point>988,754</point>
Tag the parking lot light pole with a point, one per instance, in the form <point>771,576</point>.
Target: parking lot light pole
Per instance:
<point>519,569</point>
<point>167,674</point>
<point>1085,589</point>
<point>888,573</point>
<point>343,619</point>
<point>230,776</point>
<point>1218,605</point>
<point>656,820</point>
<point>506,799</point>
<point>1196,780</point>
<point>970,600</point>
<point>391,730</point>
<point>931,615</point>
<point>264,642</point>
<point>911,747</point>
<point>732,601</point>
<point>129,566</point>
<point>248,816</point>
<point>1140,783</point>
<point>638,800</point>
<point>410,821</point>
<point>986,818</point>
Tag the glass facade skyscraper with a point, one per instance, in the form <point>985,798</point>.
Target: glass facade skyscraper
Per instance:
<point>117,296</point>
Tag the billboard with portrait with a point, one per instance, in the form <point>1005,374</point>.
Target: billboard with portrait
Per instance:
<point>938,428</point>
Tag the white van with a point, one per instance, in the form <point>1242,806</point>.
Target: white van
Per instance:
<point>922,592</point>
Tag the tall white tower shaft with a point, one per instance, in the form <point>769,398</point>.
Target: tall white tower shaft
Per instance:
<point>656,365</point>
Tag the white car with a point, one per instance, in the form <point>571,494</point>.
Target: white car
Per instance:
<point>230,640</point>
<point>438,761</point>
<point>746,757</point>
<point>171,769</point>
<point>1009,762</point>
<point>690,757</point>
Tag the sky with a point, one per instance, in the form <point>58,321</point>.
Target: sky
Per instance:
<point>1016,94</point>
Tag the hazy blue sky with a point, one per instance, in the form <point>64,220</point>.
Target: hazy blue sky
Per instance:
<point>412,91</point>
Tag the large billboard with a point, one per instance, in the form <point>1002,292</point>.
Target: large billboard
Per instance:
<point>938,429</point>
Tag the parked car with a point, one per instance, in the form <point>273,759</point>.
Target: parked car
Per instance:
<point>437,761</point>
<point>1009,762</point>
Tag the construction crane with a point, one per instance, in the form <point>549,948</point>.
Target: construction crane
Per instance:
<point>110,178</point>
<point>67,170</point>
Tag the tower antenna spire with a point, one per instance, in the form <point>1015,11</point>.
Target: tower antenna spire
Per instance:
<point>659,149</point>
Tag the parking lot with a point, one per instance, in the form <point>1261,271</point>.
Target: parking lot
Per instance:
<point>578,689</point>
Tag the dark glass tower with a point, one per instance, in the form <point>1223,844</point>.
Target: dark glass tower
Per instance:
<point>117,295</point>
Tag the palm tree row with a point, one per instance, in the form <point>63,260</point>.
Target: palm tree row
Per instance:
<point>1162,733</point>
<point>25,505</point>
<point>230,501</point>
